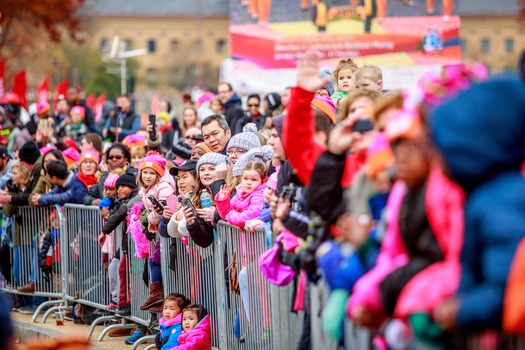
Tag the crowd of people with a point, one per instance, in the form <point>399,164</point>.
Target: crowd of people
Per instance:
<point>407,204</point>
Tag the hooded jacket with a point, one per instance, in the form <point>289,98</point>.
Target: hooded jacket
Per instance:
<point>170,332</point>
<point>481,135</point>
<point>235,115</point>
<point>242,207</point>
<point>198,338</point>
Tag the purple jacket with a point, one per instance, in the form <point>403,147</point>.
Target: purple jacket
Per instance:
<point>242,207</point>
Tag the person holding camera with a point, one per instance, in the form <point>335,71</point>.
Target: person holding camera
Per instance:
<point>123,122</point>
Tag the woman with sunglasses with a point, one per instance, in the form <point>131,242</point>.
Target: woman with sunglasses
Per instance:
<point>116,160</point>
<point>254,111</point>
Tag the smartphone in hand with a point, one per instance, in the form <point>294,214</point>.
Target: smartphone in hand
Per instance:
<point>156,203</point>
<point>153,121</point>
<point>186,202</point>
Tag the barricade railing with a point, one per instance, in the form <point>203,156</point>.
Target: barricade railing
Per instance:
<point>190,270</point>
<point>32,227</point>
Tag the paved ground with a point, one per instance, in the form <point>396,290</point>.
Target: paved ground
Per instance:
<point>71,329</point>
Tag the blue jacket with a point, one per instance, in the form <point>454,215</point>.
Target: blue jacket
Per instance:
<point>492,233</point>
<point>169,334</point>
<point>73,192</point>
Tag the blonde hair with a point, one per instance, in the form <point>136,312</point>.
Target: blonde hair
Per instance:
<point>138,151</point>
<point>259,167</point>
<point>344,107</point>
<point>264,135</point>
<point>142,183</point>
<point>23,171</point>
<point>344,64</point>
<point>371,72</point>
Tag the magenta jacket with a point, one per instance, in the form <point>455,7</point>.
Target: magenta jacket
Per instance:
<point>162,190</point>
<point>242,207</point>
<point>444,202</point>
<point>198,338</point>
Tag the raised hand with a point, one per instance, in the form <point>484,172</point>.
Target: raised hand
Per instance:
<point>308,72</point>
<point>224,192</point>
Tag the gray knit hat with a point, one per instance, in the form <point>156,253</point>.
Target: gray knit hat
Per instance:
<point>212,158</point>
<point>330,85</point>
<point>262,154</point>
<point>247,139</point>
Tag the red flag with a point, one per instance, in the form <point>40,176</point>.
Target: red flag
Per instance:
<point>98,106</point>
<point>155,103</point>
<point>42,91</point>
<point>62,88</point>
<point>2,80</point>
<point>90,101</point>
<point>20,87</point>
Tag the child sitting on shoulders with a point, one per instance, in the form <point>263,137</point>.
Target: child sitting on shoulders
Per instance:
<point>196,329</point>
<point>171,322</point>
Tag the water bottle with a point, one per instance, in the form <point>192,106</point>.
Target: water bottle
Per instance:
<point>206,200</point>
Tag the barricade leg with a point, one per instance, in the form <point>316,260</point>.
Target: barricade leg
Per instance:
<point>142,341</point>
<point>124,325</point>
<point>41,307</point>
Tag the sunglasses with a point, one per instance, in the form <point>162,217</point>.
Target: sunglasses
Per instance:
<point>115,157</point>
<point>254,105</point>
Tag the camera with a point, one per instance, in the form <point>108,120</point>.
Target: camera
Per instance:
<point>288,192</point>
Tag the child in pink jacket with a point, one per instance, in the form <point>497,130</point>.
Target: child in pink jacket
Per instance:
<point>248,201</point>
<point>196,329</point>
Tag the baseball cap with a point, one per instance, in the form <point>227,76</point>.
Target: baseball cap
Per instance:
<point>4,153</point>
<point>186,165</point>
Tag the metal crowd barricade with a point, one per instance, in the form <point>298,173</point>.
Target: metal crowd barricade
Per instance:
<point>32,224</point>
<point>190,270</point>
<point>287,324</point>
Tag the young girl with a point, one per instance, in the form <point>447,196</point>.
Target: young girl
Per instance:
<point>264,215</point>
<point>196,329</point>
<point>154,181</point>
<point>110,195</point>
<point>171,322</point>
<point>248,201</point>
<point>343,79</point>
<point>200,228</point>
<point>74,127</point>
<point>216,106</point>
<point>137,154</point>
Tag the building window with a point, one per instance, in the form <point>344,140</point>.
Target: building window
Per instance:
<point>221,46</point>
<point>174,77</point>
<point>152,77</point>
<point>509,45</point>
<point>485,45</point>
<point>128,45</point>
<point>463,45</point>
<point>104,47</point>
<point>151,45</point>
<point>197,46</point>
<point>174,46</point>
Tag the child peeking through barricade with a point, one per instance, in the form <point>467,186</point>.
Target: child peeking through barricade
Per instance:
<point>195,329</point>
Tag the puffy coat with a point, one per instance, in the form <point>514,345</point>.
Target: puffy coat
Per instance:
<point>162,190</point>
<point>198,338</point>
<point>170,332</point>
<point>242,207</point>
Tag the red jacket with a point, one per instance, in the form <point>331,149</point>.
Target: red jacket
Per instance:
<point>298,139</point>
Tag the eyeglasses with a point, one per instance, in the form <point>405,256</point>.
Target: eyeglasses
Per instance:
<point>238,152</point>
<point>253,105</point>
<point>115,157</point>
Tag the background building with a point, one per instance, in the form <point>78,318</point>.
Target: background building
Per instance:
<point>491,33</point>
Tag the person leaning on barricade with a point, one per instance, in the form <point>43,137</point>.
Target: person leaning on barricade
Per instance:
<point>30,158</point>
<point>126,186</point>
<point>43,185</point>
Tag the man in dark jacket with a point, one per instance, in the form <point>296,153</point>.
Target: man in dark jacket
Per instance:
<point>232,108</point>
<point>123,123</point>
<point>30,158</point>
<point>68,188</point>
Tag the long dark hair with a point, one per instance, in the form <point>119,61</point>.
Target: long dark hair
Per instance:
<point>58,155</point>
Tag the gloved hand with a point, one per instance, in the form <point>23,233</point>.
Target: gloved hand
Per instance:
<point>333,316</point>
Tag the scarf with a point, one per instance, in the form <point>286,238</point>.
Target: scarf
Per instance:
<point>87,180</point>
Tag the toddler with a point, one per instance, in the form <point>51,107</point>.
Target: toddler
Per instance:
<point>74,127</point>
<point>343,77</point>
<point>248,201</point>
<point>264,215</point>
<point>196,329</point>
<point>171,322</point>
<point>369,77</point>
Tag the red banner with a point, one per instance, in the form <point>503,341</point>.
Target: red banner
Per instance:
<point>61,89</point>
<point>20,87</point>
<point>42,91</point>
<point>2,80</point>
<point>90,101</point>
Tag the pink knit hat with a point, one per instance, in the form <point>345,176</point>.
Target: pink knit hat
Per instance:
<point>325,105</point>
<point>155,162</point>
<point>78,109</point>
<point>71,155</point>
<point>272,180</point>
<point>110,181</point>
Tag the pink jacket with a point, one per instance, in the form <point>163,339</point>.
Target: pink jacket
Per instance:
<point>162,190</point>
<point>242,207</point>
<point>444,206</point>
<point>198,338</point>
